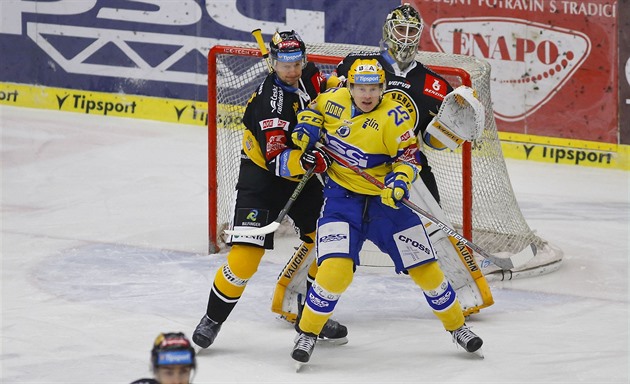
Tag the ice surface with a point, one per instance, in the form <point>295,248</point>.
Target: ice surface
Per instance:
<point>104,237</point>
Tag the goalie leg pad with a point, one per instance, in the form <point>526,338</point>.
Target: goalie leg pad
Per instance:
<point>292,282</point>
<point>455,260</point>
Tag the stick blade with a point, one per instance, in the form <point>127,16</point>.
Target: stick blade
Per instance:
<point>267,229</point>
<point>524,256</point>
<point>516,260</point>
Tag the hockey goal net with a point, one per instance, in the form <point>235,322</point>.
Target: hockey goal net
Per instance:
<point>475,188</point>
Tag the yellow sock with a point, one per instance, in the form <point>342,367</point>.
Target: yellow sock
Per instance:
<point>438,290</point>
<point>333,278</point>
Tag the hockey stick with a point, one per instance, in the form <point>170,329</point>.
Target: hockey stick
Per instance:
<point>257,33</point>
<point>269,228</point>
<point>505,263</point>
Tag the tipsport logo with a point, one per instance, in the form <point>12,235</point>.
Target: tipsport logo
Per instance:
<point>88,105</point>
<point>530,61</point>
<point>9,96</point>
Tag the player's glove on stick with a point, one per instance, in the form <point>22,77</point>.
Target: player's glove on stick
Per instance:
<point>398,183</point>
<point>315,158</point>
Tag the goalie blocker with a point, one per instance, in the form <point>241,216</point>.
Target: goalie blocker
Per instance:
<point>460,118</point>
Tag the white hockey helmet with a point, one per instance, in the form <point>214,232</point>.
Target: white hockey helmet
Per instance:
<point>401,34</point>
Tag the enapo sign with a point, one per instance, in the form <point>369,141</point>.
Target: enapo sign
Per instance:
<point>554,74</point>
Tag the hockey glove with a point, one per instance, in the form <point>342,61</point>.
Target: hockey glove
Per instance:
<point>398,183</point>
<point>315,158</point>
<point>308,130</point>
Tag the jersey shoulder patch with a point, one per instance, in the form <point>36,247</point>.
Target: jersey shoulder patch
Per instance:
<point>435,87</point>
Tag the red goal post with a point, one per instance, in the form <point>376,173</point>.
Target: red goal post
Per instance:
<point>474,185</point>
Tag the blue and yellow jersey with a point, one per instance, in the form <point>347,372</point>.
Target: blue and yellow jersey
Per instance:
<point>419,90</point>
<point>374,141</point>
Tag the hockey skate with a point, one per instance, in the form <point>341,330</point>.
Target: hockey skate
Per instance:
<point>333,331</point>
<point>468,340</point>
<point>304,345</point>
<point>206,332</point>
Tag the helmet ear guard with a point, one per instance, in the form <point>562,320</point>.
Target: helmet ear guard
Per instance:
<point>401,34</point>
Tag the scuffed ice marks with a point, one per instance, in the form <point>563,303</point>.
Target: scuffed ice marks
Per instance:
<point>126,277</point>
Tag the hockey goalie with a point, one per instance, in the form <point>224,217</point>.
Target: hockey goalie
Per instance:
<point>460,118</point>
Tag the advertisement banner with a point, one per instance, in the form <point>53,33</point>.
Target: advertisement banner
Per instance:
<point>156,47</point>
<point>554,62</point>
<point>555,68</point>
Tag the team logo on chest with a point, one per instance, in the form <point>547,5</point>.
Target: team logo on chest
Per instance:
<point>343,131</point>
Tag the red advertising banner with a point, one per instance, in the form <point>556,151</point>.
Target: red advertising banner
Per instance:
<point>554,62</point>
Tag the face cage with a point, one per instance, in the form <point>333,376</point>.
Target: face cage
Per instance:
<point>403,49</point>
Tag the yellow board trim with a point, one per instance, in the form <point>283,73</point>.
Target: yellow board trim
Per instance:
<point>565,151</point>
<point>514,145</point>
<point>104,104</point>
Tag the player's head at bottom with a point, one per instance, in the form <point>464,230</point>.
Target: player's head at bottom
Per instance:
<point>173,358</point>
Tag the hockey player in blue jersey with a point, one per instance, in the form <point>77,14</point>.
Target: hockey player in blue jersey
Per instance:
<point>376,134</point>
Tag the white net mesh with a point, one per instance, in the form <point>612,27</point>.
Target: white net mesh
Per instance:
<point>497,221</point>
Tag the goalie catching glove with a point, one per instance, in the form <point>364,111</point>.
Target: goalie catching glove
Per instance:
<point>460,118</point>
<point>398,183</point>
<point>315,158</point>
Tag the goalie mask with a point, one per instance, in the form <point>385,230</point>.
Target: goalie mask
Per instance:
<point>401,34</point>
<point>287,47</point>
<point>172,349</point>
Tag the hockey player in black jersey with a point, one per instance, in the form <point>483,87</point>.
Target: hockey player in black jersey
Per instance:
<point>172,360</point>
<point>271,165</point>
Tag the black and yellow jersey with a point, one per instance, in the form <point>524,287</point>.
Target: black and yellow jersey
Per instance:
<point>270,117</point>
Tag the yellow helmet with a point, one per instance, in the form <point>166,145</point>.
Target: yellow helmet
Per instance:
<point>366,71</point>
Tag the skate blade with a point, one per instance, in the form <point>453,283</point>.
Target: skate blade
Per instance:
<point>478,353</point>
<point>339,341</point>
<point>298,366</point>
